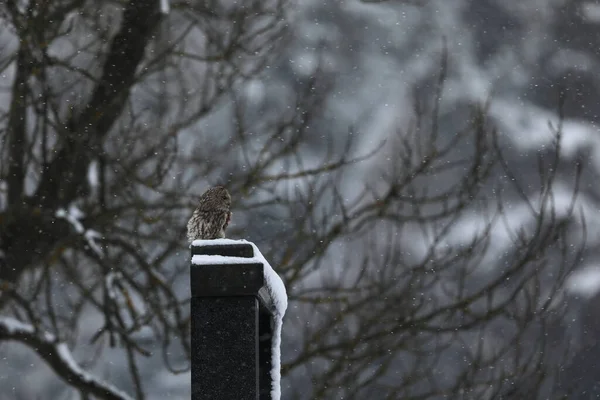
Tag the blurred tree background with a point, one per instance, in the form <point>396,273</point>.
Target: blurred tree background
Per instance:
<point>420,173</point>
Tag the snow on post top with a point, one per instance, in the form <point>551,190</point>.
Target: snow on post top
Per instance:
<point>273,282</point>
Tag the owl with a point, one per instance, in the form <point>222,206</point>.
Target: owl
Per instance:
<point>212,215</point>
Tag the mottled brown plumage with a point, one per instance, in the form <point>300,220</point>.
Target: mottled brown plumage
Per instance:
<point>212,216</point>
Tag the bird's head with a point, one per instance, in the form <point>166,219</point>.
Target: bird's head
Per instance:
<point>215,197</point>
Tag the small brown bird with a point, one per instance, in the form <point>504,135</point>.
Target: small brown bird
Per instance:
<point>212,216</point>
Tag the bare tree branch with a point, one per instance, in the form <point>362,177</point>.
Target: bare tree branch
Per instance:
<point>59,358</point>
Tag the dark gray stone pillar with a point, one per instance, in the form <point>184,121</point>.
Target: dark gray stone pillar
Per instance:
<point>231,327</point>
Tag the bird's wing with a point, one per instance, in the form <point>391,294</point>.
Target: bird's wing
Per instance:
<point>222,219</point>
<point>228,220</point>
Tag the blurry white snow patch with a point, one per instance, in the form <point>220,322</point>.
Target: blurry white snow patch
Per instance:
<point>90,237</point>
<point>13,326</point>
<point>317,33</point>
<point>527,127</point>
<point>474,83</point>
<point>385,13</point>
<point>385,123</point>
<point>145,333</point>
<point>109,283</point>
<point>569,59</point>
<point>3,187</point>
<point>165,6</point>
<point>591,11</point>
<point>255,91</point>
<point>73,215</point>
<point>518,216</point>
<point>171,385</point>
<point>305,63</point>
<point>584,282</point>
<point>276,289</point>
<point>92,175</point>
